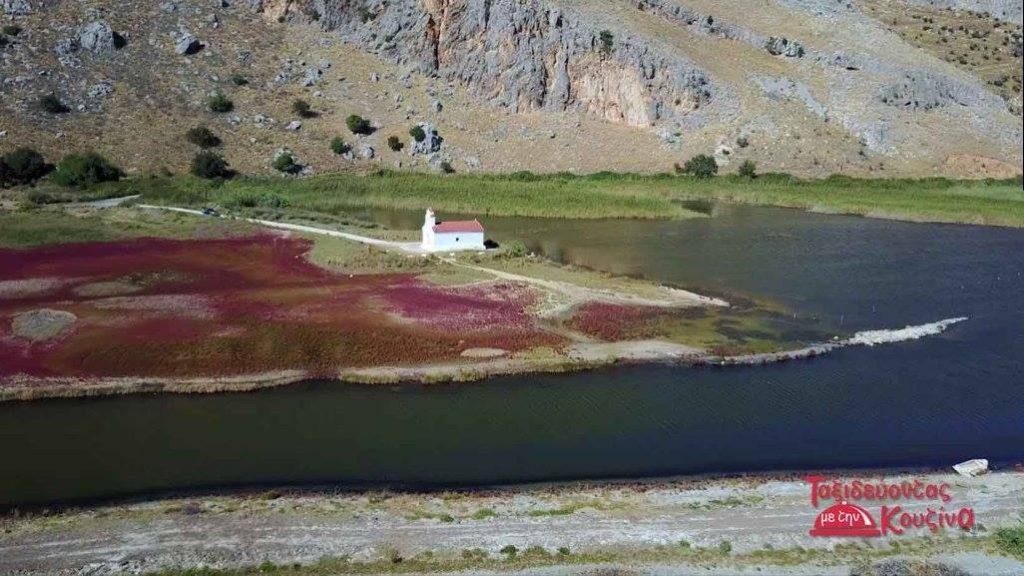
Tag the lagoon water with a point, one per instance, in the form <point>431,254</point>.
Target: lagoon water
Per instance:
<point>927,402</point>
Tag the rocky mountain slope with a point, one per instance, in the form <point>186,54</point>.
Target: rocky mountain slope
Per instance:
<point>806,86</point>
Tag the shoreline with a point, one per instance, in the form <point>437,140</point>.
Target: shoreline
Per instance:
<point>679,521</point>
<point>579,358</point>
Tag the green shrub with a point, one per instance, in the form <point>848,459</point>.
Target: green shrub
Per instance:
<point>509,551</point>
<point>22,166</point>
<point>417,133</point>
<point>41,197</point>
<point>84,170</point>
<point>339,146</point>
<point>51,103</point>
<point>748,169</point>
<point>725,547</point>
<point>12,30</point>
<point>203,137</point>
<point>564,551</point>
<point>220,103</point>
<point>210,165</point>
<point>254,200</point>
<point>239,80</point>
<point>358,125</point>
<point>303,109</point>
<point>1011,541</point>
<point>394,143</point>
<point>447,167</point>
<point>285,163</point>
<point>701,166</point>
<point>607,42</point>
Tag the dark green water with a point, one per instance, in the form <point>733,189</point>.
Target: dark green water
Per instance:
<point>933,401</point>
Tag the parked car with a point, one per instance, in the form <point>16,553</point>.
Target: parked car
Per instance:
<point>211,213</point>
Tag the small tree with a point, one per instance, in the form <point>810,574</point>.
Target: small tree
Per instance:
<point>220,103</point>
<point>701,166</point>
<point>417,133</point>
<point>285,162</point>
<point>394,143</point>
<point>510,551</point>
<point>84,170</point>
<point>210,165</point>
<point>358,125</point>
<point>446,167</point>
<point>748,169</point>
<point>203,137</point>
<point>22,166</point>
<point>303,109</point>
<point>52,104</point>
<point>339,146</point>
<point>607,42</point>
<point>239,80</point>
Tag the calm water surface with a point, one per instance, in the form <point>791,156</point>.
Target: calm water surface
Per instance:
<point>928,402</point>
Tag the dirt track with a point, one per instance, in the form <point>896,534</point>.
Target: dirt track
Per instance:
<point>303,527</point>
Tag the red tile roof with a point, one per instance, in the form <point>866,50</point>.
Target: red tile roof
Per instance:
<point>464,226</point>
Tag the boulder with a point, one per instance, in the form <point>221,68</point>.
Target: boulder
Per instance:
<point>366,152</point>
<point>294,126</point>
<point>101,90</point>
<point>186,44</point>
<point>971,468</point>
<point>431,142</point>
<point>99,37</point>
<point>780,46</point>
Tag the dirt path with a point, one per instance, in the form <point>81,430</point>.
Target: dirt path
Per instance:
<point>750,514</point>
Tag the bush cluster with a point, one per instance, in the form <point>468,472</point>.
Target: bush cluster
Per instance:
<point>358,125</point>
<point>303,109</point>
<point>52,104</point>
<point>22,166</point>
<point>748,169</point>
<point>203,137</point>
<point>84,170</point>
<point>417,133</point>
<point>701,166</point>
<point>339,146</point>
<point>285,163</point>
<point>394,143</point>
<point>210,165</point>
<point>220,103</point>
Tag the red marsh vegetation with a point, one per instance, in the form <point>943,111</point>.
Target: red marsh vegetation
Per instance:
<point>194,308</point>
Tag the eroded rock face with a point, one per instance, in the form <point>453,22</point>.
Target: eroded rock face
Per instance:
<point>925,91</point>
<point>525,55</point>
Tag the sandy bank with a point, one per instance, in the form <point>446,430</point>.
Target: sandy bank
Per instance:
<point>677,522</point>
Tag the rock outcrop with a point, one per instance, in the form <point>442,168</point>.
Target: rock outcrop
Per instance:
<point>526,55</point>
<point>16,7</point>
<point>430,143</point>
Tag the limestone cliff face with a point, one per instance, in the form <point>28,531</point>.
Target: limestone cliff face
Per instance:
<point>525,55</point>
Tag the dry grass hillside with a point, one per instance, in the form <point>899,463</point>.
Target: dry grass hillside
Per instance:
<point>877,87</point>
